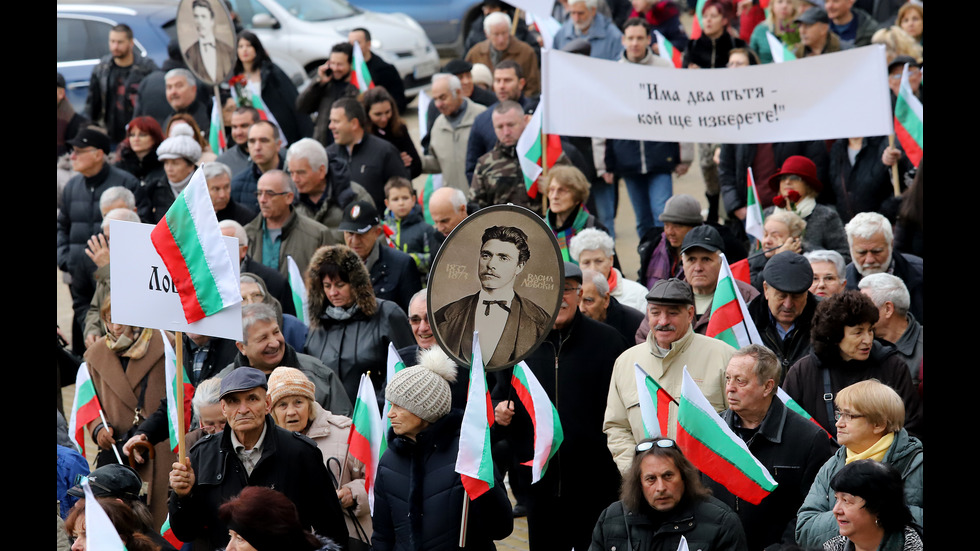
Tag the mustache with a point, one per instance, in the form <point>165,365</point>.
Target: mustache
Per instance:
<point>664,328</point>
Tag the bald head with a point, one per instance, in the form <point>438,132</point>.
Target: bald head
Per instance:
<point>448,208</point>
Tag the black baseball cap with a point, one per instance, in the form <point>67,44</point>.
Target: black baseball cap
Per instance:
<point>112,480</point>
<point>705,237</point>
<point>360,217</point>
<point>90,137</point>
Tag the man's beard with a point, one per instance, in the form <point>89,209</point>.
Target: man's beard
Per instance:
<point>882,268</point>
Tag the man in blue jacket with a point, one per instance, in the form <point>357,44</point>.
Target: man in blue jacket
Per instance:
<point>584,22</point>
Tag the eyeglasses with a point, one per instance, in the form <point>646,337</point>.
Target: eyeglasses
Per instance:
<point>567,290</point>
<point>270,194</point>
<point>847,417</point>
<point>662,443</point>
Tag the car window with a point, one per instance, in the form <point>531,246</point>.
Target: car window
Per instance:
<point>317,10</point>
<point>81,39</point>
<point>246,10</point>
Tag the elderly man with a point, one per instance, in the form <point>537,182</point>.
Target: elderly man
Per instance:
<point>583,22</point>
<point>255,452</point>
<point>98,251</point>
<point>237,156</point>
<point>182,97</point>
<point>382,73</point>
<point>815,35</point>
<point>664,500</point>
<point>80,218</point>
<point>593,249</point>
<point>783,315</point>
<point>562,506</point>
<point>331,83</point>
<point>671,345</point>
<point>394,275</point>
<point>450,133</point>
<point>279,231</point>
<point>264,143</point>
<point>110,102</point>
<point>447,206</point>
<point>829,274</point>
<point>869,235</point>
<point>854,26</point>
<point>463,70</point>
<point>500,45</point>
<point>508,84</point>
<point>276,284</point>
<point>218,176</point>
<point>599,305</point>
<point>896,325</point>
<point>791,448</point>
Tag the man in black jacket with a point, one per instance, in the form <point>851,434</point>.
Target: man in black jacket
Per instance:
<point>331,83</point>
<point>382,73</point>
<point>251,451</point>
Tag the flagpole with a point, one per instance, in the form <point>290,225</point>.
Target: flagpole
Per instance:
<point>513,24</point>
<point>463,519</point>
<point>106,423</point>
<point>179,349</point>
<point>544,170</point>
<point>891,143</point>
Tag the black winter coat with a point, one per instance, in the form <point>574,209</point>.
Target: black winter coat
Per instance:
<point>707,525</point>
<point>709,53</point>
<point>866,185</point>
<point>735,159</point>
<point>797,343</point>
<point>418,495</point>
<point>629,157</point>
<point>279,94</point>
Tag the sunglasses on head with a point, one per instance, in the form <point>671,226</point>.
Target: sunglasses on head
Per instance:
<point>662,443</point>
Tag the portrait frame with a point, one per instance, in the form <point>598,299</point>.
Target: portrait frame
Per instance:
<point>454,286</point>
<point>226,41</point>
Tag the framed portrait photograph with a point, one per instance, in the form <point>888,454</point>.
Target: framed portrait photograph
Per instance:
<point>500,272</point>
<point>207,39</point>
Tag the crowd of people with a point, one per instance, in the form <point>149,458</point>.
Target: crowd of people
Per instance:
<point>829,402</point>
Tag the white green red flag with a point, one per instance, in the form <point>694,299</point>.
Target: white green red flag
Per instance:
<point>85,408</point>
<point>100,534</point>
<point>360,76</point>
<point>474,462</point>
<point>168,534</point>
<point>667,50</point>
<point>715,450</point>
<point>548,434</point>
<point>730,320</point>
<point>367,434</point>
<point>252,97</point>
<point>297,287</point>
<point>791,404</point>
<point>432,183</point>
<point>654,403</point>
<point>754,219</point>
<point>395,364</point>
<point>170,370</point>
<point>216,135</point>
<point>696,24</point>
<point>908,120</point>
<point>530,150</point>
<point>780,51</point>
<point>191,245</point>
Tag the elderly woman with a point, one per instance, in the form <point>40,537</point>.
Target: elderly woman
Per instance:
<point>593,249</point>
<point>845,352</point>
<point>782,231</point>
<point>418,496</point>
<point>350,328</point>
<point>294,408</point>
<point>870,426</point>
<point>137,154</point>
<point>127,371</point>
<point>262,519</point>
<point>797,187</point>
<point>568,189</point>
<point>829,274</point>
<point>871,510</point>
<point>780,21</point>
<point>180,155</point>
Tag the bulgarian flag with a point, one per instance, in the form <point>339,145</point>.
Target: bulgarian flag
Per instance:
<point>908,120</point>
<point>715,450</point>
<point>253,98</point>
<point>730,320</point>
<point>432,183</point>
<point>667,50</point>
<point>696,24</point>
<point>395,364</point>
<point>741,271</point>
<point>548,434</point>
<point>298,287</point>
<point>168,534</point>
<point>170,369</point>
<point>780,51</point>
<point>654,403</point>
<point>530,150</point>
<point>367,434</point>
<point>85,408</point>
<point>217,133</point>
<point>754,219</point>
<point>360,76</point>
<point>474,462</point>
<point>100,534</point>
<point>791,404</point>
<point>191,245</point>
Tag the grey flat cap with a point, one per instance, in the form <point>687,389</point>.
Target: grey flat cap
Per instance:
<point>788,272</point>
<point>573,271</point>
<point>243,378</point>
<point>671,291</point>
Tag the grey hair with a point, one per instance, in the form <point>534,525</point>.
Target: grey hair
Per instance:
<point>246,278</point>
<point>311,150</point>
<point>833,257</point>
<point>119,214</point>
<point>766,366</point>
<point>457,198</point>
<point>454,83</point>
<point>495,18</point>
<point>206,394</point>
<point>290,184</point>
<point>181,72</point>
<point>240,232</point>
<point>215,169</point>
<point>866,225</point>
<point>794,222</point>
<point>117,193</point>
<point>884,288</point>
<point>597,279</point>
<point>588,3</point>
<point>421,294</point>
<point>591,239</point>
<point>252,313</point>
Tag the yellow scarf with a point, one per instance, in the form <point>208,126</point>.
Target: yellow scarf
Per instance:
<point>130,348</point>
<point>876,452</point>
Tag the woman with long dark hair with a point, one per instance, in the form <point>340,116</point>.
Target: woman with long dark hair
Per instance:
<point>386,123</point>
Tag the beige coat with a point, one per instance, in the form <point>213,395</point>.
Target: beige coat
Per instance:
<point>447,147</point>
<point>706,360</point>
<point>519,51</point>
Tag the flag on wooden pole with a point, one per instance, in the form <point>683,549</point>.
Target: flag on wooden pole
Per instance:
<point>367,434</point>
<point>908,120</point>
<point>754,218</point>
<point>531,149</point>
<point>170,370</point>
<point>360,75</point>
<point>730,320</point>
<point>474,462</point>
<point>548,434</point>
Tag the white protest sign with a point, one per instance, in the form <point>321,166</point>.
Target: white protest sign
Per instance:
<point>829,96</point>
<point>143,295</point>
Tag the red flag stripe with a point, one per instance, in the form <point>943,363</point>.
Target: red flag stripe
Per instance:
<point>909,144</point>
<point>163,240</point>
<point>474,486</point>
<point>663,409</point>
<point>707,461</point>
<point>726,316</point>
<point>360,448</point>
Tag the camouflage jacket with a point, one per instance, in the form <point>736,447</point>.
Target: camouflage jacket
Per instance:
<point>498,179</point>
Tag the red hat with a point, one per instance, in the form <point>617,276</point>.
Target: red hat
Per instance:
<point>797,165</point>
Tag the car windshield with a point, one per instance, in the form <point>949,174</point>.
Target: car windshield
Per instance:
<point>318,10</point>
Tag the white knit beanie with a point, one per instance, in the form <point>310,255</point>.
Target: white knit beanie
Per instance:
<point>179,147</point>
<point>423,389</point>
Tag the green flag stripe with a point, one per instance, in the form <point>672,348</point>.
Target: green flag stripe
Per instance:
<point>181,224</point>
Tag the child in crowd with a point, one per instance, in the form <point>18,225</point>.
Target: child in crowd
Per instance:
<point>404,224</point>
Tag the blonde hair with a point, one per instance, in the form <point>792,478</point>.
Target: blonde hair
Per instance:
<point>771,16</point>
<point>897,42</point>
<point>572,178</point>
<point>792,220</point>
<point>907,7</point>
<point>878,402</point>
